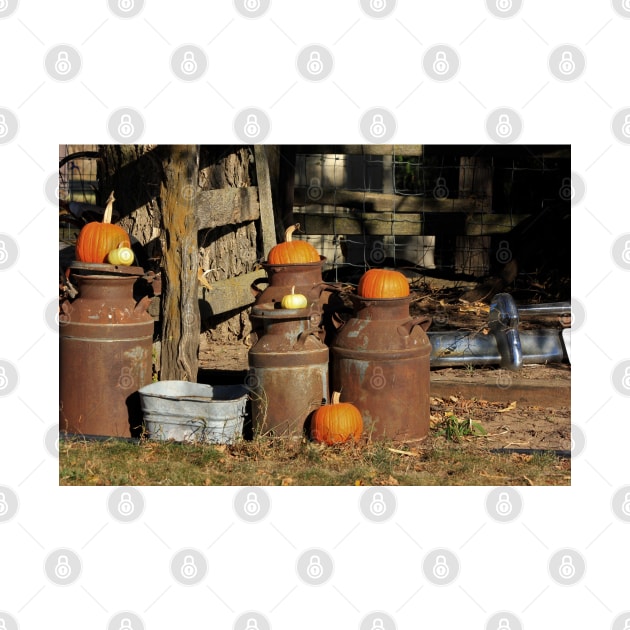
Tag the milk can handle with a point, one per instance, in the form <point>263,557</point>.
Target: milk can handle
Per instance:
<point>303,337</point>
<point>424,321</point>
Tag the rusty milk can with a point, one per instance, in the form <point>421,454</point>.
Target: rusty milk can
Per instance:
<point>105,355</point>
<point>305,277</point>
<point>288,373</point>
<point>307,280</point>
<point>380,363</point>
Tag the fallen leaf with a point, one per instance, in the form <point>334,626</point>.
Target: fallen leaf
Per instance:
<point>287,481</point>
<point>510,407</point>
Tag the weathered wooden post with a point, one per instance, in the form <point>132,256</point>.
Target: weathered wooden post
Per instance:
<point>180,307</point>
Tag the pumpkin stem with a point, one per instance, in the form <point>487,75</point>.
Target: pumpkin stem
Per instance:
<point>288,233</point>
<point>335,398</point>
<point>293,290</point>
<point>107,215</point>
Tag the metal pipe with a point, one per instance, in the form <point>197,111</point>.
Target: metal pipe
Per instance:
<point>552,308</point>
<point>452,349</point>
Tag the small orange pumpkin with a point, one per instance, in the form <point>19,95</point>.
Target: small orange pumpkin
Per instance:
<point>96,239</point>
<point>383,283</point>
<point>337,422</point>
<point>292,252</point>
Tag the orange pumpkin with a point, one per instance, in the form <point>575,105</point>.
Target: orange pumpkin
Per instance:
<point>337,422</point>
<point>96,239</point>
<point>292,252</point>
<point>383,283</point>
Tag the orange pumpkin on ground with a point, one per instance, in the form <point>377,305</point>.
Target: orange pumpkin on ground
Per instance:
<point>336,423</point>
<point>292,252</point>
<point>96,239</point>
<point>383,283</point>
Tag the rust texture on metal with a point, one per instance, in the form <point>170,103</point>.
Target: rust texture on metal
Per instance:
<point>288,373</point>
<point>380,363</point>
<point>306,278</point>
<point>105,357</point>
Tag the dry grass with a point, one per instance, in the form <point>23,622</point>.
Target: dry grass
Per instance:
<point>269,461</point>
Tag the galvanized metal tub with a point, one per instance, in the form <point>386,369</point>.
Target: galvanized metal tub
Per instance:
<point>192,412</point>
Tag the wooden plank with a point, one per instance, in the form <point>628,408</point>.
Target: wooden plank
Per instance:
<point>388,223</point>
<point>383,202</point>
<point>226,206</point>
<point>547,151</point>
<point>227,295</point>
<point>267,223</point>
<point>361,149</point>
<point>525,391</point>
<point>223,296</point>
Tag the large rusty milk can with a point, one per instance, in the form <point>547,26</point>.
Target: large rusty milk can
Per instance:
<point>380,363</point>
<point>288,373</point>
<point>105,356</point>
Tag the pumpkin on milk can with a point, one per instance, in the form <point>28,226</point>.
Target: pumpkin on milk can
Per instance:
<point>96,240</point>
<point>383,283</point>
<point>292,252</point>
